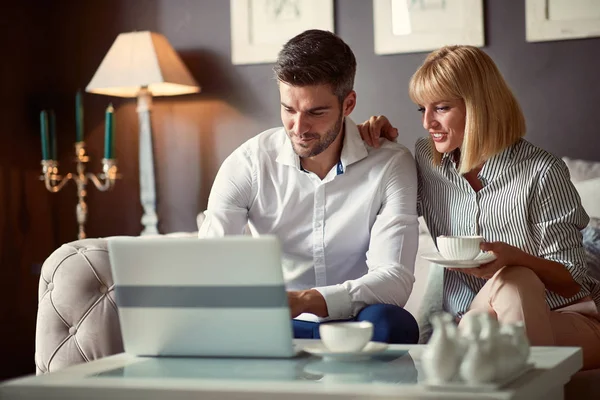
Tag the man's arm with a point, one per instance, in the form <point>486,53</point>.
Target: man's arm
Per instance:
<point>392,248</point>
<point>230,197</point>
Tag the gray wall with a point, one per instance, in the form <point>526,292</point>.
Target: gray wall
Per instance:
<point>555,82</point>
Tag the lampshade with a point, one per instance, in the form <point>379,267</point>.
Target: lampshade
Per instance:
<point>142,59</point>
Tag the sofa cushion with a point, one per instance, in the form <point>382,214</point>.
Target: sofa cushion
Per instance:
<point>589,191</point>
<point>585,175</point>
<point>582,170</point>
<point>591,243</point>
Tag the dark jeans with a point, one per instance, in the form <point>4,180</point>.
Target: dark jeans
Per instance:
<point>391,324</point>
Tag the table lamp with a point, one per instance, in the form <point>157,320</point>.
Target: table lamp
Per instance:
<point>143,64</point>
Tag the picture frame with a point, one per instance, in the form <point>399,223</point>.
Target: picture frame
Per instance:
<point>259,28</point>
<point>457,22</point>
<point>547,20</point>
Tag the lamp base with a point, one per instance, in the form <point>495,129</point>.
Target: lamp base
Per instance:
<point>147,185</point>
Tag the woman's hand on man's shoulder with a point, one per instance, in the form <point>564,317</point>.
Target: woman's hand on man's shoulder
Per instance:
<point>375,127</point>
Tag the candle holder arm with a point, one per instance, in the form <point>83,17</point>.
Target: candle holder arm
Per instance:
<point>52,180</point>
<point>107,179</point>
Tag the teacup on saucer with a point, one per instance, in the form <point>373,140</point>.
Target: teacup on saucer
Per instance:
<point>459,248</point>
<point>346,337</point>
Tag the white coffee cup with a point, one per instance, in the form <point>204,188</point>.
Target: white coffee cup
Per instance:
<point>459,248</point>
<point>346,337</point>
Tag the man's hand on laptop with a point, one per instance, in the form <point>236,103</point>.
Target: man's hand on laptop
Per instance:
<point>307,301</point>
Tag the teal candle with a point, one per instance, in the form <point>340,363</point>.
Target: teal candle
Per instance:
<point>52,141</point>
<point>78,117</point>
<point>109,132</point>
<point>44,133</point>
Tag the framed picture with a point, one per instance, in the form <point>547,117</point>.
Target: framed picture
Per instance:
<point>410,26</point>
<point>561,19</point>
<point>259,28</point>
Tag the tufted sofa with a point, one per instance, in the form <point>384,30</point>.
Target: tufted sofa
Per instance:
<point>77,317</point>
<point>78,322</point>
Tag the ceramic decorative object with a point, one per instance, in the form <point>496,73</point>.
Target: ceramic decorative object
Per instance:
<point>480,352</point>
<point>441,358</point>
<point>520,340</point>
<point>477,366</point>
<point>470,325</point>
<point>515,334</point>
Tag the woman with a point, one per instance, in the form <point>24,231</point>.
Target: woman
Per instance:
<point>479,177</point>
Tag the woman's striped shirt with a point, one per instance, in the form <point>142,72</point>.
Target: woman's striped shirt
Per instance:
<point>527,201</point>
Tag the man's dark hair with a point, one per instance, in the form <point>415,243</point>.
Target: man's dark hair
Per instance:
<point>317,57</point>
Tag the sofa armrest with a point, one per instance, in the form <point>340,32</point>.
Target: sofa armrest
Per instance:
<point>77,318</point>
<point>426,296</point>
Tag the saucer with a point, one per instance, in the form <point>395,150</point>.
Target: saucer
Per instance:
<point>319,350</point>
<point>482,258</point>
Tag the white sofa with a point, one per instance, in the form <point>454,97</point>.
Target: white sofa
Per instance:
<point>77,315</point>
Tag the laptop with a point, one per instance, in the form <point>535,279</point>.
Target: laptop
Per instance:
<point>218,297</point>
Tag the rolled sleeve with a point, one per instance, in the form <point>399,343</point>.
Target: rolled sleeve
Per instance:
<point>339,302</point>
<point>558,218</point>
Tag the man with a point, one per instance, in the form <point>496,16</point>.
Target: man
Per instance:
<point>345,213</point>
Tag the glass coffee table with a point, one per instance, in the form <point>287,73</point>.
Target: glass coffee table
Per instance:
<point>392,374</point>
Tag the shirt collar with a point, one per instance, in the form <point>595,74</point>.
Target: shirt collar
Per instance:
<point>353,148</point>
<point>493,167</point>
<point>447,158</point>
<point>498,163</point>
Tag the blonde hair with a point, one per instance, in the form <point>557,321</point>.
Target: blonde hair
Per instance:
<point>494,120</point>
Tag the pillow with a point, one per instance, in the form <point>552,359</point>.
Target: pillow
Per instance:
<point>589,191</point>
<point>423,227</point>
<point>581,170</point>
<point>591,244</point>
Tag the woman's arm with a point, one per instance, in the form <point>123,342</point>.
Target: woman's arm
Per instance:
<point>376,127</point>
<point>555,276</point>
<point>556,218</point>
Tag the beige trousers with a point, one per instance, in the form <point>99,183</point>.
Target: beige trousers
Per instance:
<point>517,294</point>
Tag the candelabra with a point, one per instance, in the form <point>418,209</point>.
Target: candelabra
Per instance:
<point>103,182</point>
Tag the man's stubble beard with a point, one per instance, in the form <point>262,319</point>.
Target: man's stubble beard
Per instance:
<point>325,142</point>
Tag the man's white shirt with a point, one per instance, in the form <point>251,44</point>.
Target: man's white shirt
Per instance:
<point>353,236</point>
